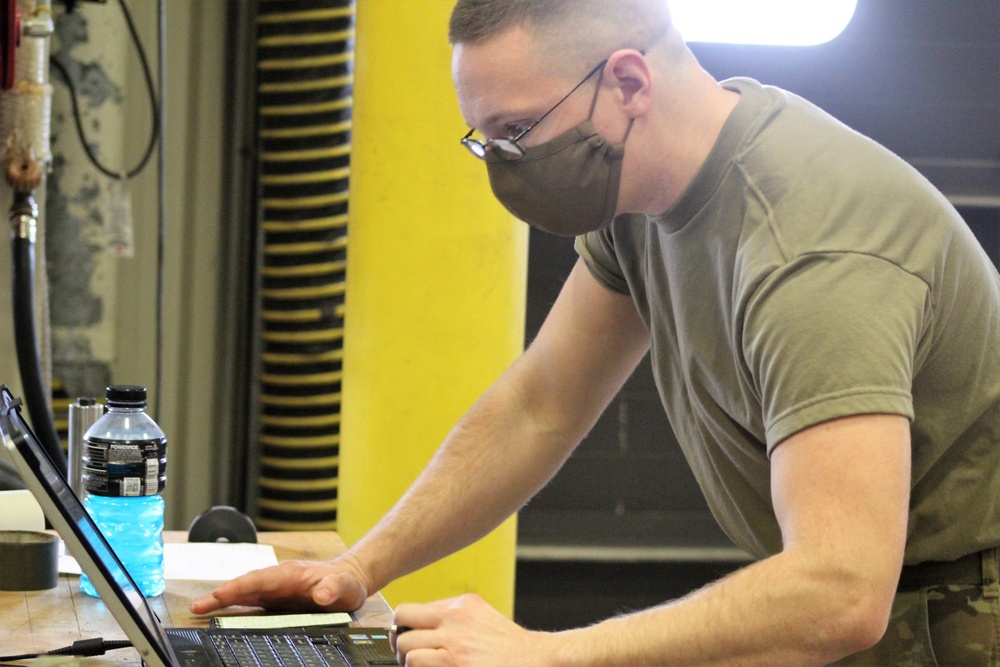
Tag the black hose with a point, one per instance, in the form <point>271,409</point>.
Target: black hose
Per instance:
<point>28,357</point>
<point>9,479</point>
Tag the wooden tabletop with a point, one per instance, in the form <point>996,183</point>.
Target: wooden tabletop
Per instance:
<point>40,621</point>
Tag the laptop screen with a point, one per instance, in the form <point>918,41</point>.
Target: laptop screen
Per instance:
<point>83,539</point>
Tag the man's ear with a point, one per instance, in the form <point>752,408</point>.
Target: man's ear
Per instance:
<point>630,71</point>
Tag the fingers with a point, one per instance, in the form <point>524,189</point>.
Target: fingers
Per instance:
<point>292,585</point>
<point>413,643</point>
<point>205,605</point>
<point>340,589</point>
<point>418,616</point>
<point>413,621</point>
<point>247,590</point>
<point>464,631</point>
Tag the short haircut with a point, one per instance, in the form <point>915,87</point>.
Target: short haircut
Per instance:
<point>596,27</point>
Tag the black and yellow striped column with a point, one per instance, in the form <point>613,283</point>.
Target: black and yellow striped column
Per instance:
<point>305,78</point>
<point>436,287</point>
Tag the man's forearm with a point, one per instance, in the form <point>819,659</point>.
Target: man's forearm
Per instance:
<point>491,463</point>
<point>517,436</point>
<point>786,610</point>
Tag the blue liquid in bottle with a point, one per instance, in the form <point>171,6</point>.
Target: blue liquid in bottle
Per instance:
<point>134,529</point>
<point>123,473</point>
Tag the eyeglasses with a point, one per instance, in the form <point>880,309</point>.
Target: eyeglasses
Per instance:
<point>508,147</point>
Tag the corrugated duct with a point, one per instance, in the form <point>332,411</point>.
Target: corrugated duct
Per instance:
<point>305,55</point>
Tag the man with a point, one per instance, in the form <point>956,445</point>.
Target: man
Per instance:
<point>825,335</point>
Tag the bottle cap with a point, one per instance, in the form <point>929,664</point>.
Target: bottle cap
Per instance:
<point>126,396</point>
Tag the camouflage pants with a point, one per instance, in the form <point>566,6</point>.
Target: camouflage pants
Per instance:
<point>947,626</point>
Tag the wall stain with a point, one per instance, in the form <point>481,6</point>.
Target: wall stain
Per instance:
<point>74,223</point>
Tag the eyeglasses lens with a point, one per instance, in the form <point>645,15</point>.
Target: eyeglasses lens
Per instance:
<point>475,147</point>
<point>507,148</point>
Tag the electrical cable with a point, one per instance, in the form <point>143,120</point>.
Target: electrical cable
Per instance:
<point>154,107</point>
<point>81,648</point>
<point>161,211</point>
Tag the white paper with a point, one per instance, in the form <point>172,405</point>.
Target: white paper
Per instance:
<point>20,511</point>
<point>202,561</point>
<point>67,564</point>
<point>214,561</point>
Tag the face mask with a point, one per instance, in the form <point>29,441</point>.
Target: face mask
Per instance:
<point>567,186</point>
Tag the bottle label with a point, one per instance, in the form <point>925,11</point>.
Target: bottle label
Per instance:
<point>124,467</point>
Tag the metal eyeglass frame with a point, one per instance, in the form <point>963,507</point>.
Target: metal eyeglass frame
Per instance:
<point>507,147</point>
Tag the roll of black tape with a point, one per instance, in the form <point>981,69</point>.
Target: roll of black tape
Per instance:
<point>222,523</point>
<point>29,561</point>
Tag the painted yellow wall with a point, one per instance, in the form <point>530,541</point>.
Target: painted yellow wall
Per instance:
<point>435,287</point>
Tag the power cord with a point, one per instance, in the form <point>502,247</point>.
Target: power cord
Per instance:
<point>80,648</point>
<point>154,107</point>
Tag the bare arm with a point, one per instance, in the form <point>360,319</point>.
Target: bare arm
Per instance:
<point>517,435</point>
<point>511,442</point>
<point>840,491</point>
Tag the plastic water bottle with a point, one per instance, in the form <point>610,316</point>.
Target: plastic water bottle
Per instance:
<point>124,471</point>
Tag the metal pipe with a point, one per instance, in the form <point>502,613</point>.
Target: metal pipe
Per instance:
<point>82,416</point>
<point>24,217</point>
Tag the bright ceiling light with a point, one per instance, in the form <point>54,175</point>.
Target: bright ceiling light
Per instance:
<point>778,22</point>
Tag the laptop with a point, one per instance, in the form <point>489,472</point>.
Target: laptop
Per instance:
<point>171,647</point>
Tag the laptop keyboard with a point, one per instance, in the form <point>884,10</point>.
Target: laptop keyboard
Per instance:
<point>259,650</point>
<point>372,648</point>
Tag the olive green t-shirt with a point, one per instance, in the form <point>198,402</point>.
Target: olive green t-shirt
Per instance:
<point>808,274</point>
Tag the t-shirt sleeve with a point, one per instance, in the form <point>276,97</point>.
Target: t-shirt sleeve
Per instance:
<point>597,249</point>
<point>832,335</point>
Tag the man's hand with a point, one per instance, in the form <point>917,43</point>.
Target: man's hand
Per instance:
<point>292,585</point>
<point>467,632</point>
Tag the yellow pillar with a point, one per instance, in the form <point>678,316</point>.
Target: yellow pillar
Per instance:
<point>436,285</point>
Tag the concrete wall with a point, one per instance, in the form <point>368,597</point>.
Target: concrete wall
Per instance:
<point>103,307</point>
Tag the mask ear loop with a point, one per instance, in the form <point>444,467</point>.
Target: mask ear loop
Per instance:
<point>631,122</point>
<point>593,103</point>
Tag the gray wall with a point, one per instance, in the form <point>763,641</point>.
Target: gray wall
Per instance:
<point>103,307</point>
